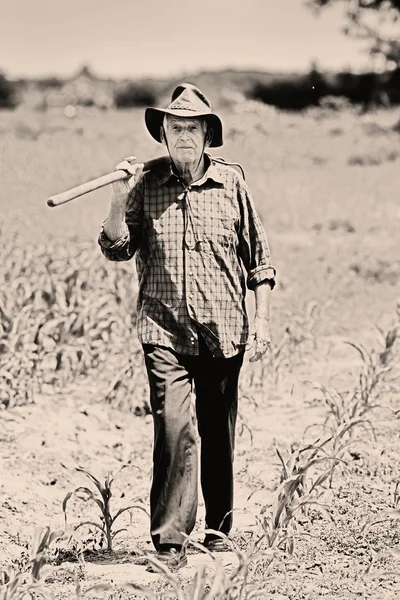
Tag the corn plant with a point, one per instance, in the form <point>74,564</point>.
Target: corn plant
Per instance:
<point>391,513</point>
<point>102,498</point>
<point>396,495</point>
<point>378,363</point>
<point>61,309</point>
<point>371,573</point>
<point>207,584</point>
<point>388,338</point>
<point>297,338</point>
<point>296,492</point>
<point>129,385</point>
<point>19,586</point>
<point>216,583</point>
<point>345,408</point>
<point>348,410</point>
<point>373,373</point>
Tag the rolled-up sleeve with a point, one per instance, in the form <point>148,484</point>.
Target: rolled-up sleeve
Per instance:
<point>125,247</point>
<point>254,249</point>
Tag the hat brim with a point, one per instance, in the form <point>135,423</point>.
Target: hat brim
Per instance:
<point>154,119</point>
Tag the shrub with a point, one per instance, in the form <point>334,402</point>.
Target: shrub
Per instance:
<point>135,94</point>
<point>296,93</point>
<point>7,93</point>
<point>314,89</point>
<point>392,86</point>
<point>50,82</point>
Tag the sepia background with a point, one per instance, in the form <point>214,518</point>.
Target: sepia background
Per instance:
<point>308,94</point>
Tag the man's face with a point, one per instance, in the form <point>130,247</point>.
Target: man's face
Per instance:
<point>185,138</point>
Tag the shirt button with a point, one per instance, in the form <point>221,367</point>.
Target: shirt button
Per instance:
<point>190,273</point>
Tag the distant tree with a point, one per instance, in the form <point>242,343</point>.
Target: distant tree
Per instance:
<point>50,82</point>
<point>7,93</point>
<point>293,93</point>
<point>372,20</point>
<point>135,94</point>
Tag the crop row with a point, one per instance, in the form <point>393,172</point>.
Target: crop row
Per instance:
<point>307,472</point>
<point>62,307</point>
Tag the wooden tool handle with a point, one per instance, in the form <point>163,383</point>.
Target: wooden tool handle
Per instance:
<point>87,187</point>
<point>102,181</point>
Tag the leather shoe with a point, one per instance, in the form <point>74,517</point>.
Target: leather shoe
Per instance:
<point>216,544</point>
<point>171,556</point>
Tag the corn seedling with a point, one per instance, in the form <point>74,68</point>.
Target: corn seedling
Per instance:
<point>370,573</point>
<point>396,495</point>
<point>17,588</point>
<point>295,493</point>
<point>301,328</point>
<point>20,586</point>
<point>388,338</point>
<point>345,408</point>
<point>347,413</point>
<point>102,498</point>
<point>377,364</point>
<point>40,550</point>
<point>349,408</point>
<point>372,375</point>
<point>297,338</point>
<point>214,582</point>
<point>383,517</point>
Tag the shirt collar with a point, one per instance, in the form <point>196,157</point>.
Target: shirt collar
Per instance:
<point>212,173</point>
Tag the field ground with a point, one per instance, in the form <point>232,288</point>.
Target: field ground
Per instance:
<point>326,185</point>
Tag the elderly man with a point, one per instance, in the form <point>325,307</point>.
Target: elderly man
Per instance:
<point>192,224</point>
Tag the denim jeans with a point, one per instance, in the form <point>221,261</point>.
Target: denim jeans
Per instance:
<point>174,496</point>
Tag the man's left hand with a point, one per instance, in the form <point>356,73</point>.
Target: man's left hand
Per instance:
<point>259,338</point>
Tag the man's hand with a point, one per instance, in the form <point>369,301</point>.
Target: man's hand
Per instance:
<point>259,338</point>
<point>115,225</point>
<point>122,188</point>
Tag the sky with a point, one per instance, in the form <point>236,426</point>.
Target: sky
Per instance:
<point>136,38</point>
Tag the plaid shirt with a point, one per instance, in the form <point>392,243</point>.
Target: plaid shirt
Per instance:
<point>191,243</point>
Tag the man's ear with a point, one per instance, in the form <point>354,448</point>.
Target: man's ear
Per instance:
<point>209,136</point>
<point>162,135</point>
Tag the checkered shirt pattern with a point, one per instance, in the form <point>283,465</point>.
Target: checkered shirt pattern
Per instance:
<point>191,244</point>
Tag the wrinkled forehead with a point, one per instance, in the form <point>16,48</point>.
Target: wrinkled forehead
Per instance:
<point>172,120</point>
